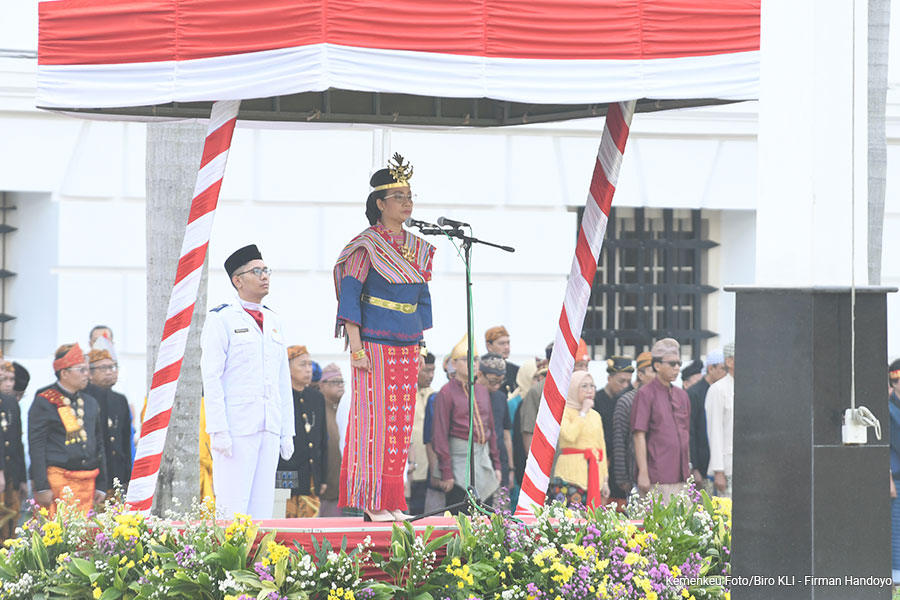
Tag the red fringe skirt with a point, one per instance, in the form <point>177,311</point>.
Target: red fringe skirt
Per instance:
<point>373,468</point>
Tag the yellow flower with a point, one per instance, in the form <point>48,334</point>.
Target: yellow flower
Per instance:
<point>52,533</point>
<point>455,562</point>
<point>675,571</point>
<point>277,552</point>
<point>631,558</point>
<point>44,512</point>
<point>685,593</point>
<point>97,592</point>
<point>496,554</point>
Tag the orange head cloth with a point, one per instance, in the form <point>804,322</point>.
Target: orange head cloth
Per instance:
<point>98,355</point>
<point>582,352</point>
<point>71,358</point>
<point>295,351</point>
<point>491,335</point>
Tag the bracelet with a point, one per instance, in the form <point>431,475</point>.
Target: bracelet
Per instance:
<point>359,354</point>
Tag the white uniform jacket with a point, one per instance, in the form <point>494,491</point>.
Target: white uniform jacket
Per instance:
<point>246,377</point>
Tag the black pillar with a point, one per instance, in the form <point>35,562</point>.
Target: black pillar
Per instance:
<point>809,512</point>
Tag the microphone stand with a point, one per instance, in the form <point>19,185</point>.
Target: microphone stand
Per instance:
<point>467,242</point>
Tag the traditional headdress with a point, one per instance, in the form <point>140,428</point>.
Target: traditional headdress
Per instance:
<point>295,351</point>
<point>495,332</point>
<point>692,369</point>
<point>331,370</point>
<point>74,356</point>
<point>461,348</point>
<point>492,364</point>
<point>7,366</point>
<point>582,352</point>
<point>644,359</point>
<point>619,364</point>
<point>22,378</point>
<point>894,370</point>
<point>715,357</point>
<point>728,351</point>
<point>241,257</point>
<point>316,372</point>
<point>397,174</point>
<point>98,355</point>
<point>664,347</point>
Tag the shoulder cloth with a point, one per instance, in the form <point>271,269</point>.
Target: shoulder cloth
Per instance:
<point>53,396</point>
<point>219,307</point>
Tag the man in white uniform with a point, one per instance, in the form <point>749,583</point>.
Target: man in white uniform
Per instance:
<point>247,391</point>
<point>720,426</point>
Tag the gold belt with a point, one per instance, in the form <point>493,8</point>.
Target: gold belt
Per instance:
<point>407,309</point>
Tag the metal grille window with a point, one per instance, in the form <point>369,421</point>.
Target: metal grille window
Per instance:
<point>649,283</point>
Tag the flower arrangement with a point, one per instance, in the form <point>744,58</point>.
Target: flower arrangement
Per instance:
<point>656,551</point>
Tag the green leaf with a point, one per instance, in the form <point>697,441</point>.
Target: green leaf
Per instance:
<point>438,542</point>
<point>40,552</point>
<point>111,594</point>
<point>79,566</point>
<point>280,572</point>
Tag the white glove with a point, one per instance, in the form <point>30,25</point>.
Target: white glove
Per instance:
<point>287,447</point>
<point>220,441</point>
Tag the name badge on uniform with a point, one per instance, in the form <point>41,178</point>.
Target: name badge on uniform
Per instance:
<point>241,330</point>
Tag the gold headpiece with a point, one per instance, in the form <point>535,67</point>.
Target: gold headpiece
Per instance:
<point>400,171</point>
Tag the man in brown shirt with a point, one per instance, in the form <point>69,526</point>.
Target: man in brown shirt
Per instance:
<point>660,425</point>
<point>451,432</point>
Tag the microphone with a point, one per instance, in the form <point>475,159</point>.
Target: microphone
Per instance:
<point>445,222</point>
<point>410,222</point>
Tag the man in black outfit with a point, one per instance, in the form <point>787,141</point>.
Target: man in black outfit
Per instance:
<point>115,417</point>
<point>699,444</point>
<point>619,370</point>
<point>310,459</point>
<point>65,439</point>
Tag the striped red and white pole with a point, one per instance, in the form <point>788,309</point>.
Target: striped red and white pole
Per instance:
<point>144,474</point>
<point>578,292</point>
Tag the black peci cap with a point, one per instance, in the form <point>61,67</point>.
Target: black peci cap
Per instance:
<point>241,257</point>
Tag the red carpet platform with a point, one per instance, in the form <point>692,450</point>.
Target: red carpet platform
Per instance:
<point>354,529</point>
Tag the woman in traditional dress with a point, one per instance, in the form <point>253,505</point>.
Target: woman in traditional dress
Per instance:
<point>381,280</point>
<point>581,475</point>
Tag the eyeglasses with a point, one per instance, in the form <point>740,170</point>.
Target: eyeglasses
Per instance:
<point>109,368</point>
<point>494,379</point>
<point>77,369</point>
<point>672,363</point>
<point>334,381</point>
<point>587,386</point>
<point>258,271</point>
<point>401,197</point>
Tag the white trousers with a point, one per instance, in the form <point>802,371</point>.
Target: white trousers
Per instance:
<point>245,481</point>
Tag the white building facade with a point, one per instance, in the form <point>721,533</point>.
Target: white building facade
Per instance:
<point>79,253</point>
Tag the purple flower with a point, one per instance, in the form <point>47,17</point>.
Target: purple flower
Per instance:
<point>262,572</point>
<point>186,557</point>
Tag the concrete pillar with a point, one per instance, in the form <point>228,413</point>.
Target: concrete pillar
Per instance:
<point>810,515</point>
<point>812,143</point>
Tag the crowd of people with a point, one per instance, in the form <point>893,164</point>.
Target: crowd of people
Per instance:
<point>272,417</point>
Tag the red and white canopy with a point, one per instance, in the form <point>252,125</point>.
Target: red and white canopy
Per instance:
<point>118,53</point>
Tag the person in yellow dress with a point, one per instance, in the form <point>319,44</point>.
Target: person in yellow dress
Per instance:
<point>581,473</point>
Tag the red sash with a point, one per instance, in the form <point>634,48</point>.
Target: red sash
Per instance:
<point>594,456</point>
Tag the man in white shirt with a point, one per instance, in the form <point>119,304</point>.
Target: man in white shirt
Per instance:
<point>247,391</point>
<point>720,426</point>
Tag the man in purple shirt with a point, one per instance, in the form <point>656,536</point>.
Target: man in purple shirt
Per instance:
<point>660,425</point>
